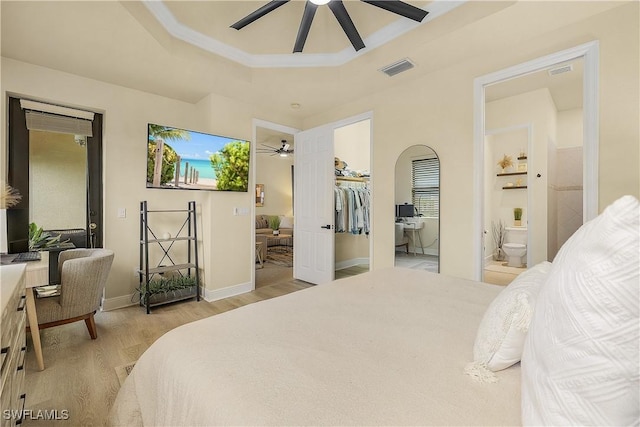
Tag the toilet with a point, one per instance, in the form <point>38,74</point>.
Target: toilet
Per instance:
<point>515,246</point>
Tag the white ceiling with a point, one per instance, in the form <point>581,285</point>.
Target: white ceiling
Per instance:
<point>124,44</point>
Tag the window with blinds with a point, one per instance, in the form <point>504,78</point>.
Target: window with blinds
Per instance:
<point>425,182</point>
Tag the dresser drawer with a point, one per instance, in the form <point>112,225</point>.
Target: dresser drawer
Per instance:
<point>18,372</point>
<point>12,318</point>
<point>12,343</point>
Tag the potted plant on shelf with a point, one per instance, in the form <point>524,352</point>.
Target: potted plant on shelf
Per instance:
<point>274,224</point>
<point>168,289</point>
<point>517,217</point>
<point>498,238</point>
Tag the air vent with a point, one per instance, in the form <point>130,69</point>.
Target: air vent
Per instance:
<point>561,70</point>
<point>397,67</point>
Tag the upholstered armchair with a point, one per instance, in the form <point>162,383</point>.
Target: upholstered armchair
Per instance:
<point>83,274</point>
<point>401,238</point>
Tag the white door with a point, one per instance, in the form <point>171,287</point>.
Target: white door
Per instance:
<point>313,237</point>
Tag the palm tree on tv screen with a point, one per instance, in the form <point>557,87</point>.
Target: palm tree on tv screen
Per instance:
<point>169,155</point>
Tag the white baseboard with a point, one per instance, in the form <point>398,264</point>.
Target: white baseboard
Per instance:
<point>351,263</point>
<point>488,259</point>
<point>208,295</point>
<point>211,295</point>
<point>109,304</point>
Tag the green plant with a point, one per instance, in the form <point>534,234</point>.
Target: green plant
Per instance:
<point>38,238</point>
<point>517,214</point>
<point>274,222</point>
<point>166,286</point>
<point>231,165</point>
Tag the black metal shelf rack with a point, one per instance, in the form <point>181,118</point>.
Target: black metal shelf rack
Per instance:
<point>184,268</point>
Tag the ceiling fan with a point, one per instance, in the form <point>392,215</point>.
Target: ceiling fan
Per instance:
<point>337,7</point>
<point>282,151</point>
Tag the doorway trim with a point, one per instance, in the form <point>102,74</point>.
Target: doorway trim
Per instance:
<point>258,123</point>
<point>590,52</point>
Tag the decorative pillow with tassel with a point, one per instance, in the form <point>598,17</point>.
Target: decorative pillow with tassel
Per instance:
<point>503,329</point>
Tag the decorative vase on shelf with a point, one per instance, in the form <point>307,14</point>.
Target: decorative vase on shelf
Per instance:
<point>517,222</point>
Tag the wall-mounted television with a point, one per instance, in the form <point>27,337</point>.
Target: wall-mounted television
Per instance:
<point>181,159</point>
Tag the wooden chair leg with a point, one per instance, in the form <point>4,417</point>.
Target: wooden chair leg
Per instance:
<point>91,326</point>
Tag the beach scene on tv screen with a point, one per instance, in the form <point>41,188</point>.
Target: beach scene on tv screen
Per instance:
<point>188,160</point>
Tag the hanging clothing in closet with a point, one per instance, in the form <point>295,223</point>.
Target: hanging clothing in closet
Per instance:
<point>352,209</point>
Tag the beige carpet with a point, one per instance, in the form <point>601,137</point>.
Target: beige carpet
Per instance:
<point>123,371</point>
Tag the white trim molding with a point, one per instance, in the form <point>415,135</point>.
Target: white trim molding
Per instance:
<point>122,301</point>
<point>211,295</point>
<point>293,60</point>
<point>351,263</point>
<point>590,52</point>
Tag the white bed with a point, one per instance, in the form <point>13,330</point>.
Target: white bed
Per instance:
<point>392,347</point>
<point>383,348</point>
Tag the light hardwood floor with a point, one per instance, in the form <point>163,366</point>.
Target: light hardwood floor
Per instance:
<point>80,375</point>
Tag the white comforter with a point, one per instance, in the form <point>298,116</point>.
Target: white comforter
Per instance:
<point>383,348</point>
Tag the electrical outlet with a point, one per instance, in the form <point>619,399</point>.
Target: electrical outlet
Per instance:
<point>122,212</point>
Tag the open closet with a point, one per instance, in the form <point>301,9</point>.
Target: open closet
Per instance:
<point>352,191</point>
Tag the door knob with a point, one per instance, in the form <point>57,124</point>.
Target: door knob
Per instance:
<point>328,226</point>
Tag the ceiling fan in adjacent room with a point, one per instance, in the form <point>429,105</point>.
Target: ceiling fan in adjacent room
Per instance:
<point>337,7</point>
<point>283,151</point>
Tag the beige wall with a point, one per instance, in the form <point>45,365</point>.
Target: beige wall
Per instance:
<point>570,132</point>
<point>275,173</point>
<point>225,249</point>
<point>437,110</point>
<point>351,145</point>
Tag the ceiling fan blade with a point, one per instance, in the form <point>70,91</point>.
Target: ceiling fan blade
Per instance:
<point>259,13</point>
<point>338,9</point>
<point>305,25</point>
<point>400,8</point>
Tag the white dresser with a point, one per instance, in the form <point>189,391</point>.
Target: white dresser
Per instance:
<point>13,342</point>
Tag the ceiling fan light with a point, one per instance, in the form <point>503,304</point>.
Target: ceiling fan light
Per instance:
<point>319,2</point>
<point>284,155</point>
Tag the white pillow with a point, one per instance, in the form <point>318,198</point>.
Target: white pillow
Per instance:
<point>580,364</point>
<point>503,328</point>
<point>286,221</point>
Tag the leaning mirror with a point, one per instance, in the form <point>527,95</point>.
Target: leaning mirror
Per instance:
<point>417,209</point>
